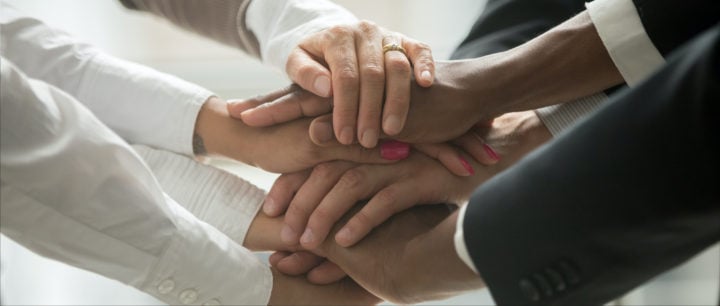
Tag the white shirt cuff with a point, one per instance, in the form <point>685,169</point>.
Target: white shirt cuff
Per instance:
<point>558,118</point>
<point>460,246</point>
<point>621,31</point>
<point>159,109</point>
<point>280,25</point>
<point>219,198</point>
<point>200,265</point>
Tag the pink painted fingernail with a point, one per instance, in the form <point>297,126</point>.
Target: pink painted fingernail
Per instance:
<point>489,150</point>
<point>394,150</point>
<point>322,86</point>
<point>467,166</point>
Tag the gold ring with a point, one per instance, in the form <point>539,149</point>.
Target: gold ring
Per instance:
<point>394,47</point>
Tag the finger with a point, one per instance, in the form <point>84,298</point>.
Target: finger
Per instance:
<point>338,50</point>
<point>474,145</point>
<point>372,83</point>
<point>326,273</point>
<point>307,72</point>
<point>387,202</point>
<point>321,131</point>
<point>356,184</point>
<point>297,104</point>
<point>397,92</point>
<point>449,156</point>
<point>237,107</point>
<point>390,151</point>
<point>282,192</point>
<point>275,257</point>
<point>299,263</point>
<point>323,178</point>
<point>420,56</point>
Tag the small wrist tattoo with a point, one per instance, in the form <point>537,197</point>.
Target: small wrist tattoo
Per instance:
<point>198,145</point>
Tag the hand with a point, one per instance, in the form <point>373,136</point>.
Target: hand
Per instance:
<point>410,258</point>
<point>282,148</point>
<point>314,200</point>
<point>295,290</point>
<point>348,63</point>
<point>294,100</point>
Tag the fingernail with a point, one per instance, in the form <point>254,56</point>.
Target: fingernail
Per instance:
<point>344,236</point>
<point>489,150</point>
<point>369,138</point>
<point>467,166</point>
<point>324,132</point>
<point>322,86</point>
<point>307,237</point>
<point>346,135</point>
<point>394,150</point>
<point>269,206</point>
<point>288,235</point>
<point>392,125</point>
<point>426,75</point>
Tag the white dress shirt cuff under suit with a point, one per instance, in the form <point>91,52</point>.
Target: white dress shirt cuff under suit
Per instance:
<point>633,53</point>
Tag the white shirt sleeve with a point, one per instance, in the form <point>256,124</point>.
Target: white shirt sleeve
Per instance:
<point>621,31</point>
<point>460,246</point>
<point>74,191</point>
<point>280,25</point>
<point>223,200</point>
<point>560,117</point>
<point>140,104</point>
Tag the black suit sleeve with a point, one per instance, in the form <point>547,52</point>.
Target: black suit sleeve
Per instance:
<point>629,193</point>
<point>671,23</point>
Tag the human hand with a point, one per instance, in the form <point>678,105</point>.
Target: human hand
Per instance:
<point>314,200</point>
<point>348,63</point>
<point>464,94</point>
<point>295,100</point>
<point>386,262</point>
<point>282,148</point>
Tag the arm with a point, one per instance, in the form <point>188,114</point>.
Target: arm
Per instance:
<point>323,48</point>
<point>72,190</point>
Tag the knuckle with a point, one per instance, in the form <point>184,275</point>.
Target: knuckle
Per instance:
<point>367,26</point>
<point>323,170</point>
<point>423,46</point>
<point>398,65</point>
<point>373,72</point>
<point>353,178</point>
<point>340,31</point>
<point>362,219</point>
<point>320,216</point>
<point>388,197</point>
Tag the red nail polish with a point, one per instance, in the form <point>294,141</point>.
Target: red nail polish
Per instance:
<point>467,166</point>
<point>394,150</point>
<point>489,150</point>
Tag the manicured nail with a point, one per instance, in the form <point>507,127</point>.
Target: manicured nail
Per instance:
<point>288,235</point>
<point>344,236</point>
<point>269,207</point>
<point>323,132</point>
<point>307,237</point>
<point>425,75</point>
<point>467,166</point>
<point>489,150</point>
<point>369,138</point>
<point>322,86</point>
<point>392,125</point>
<point>346,135</point>
<point>394,150</point>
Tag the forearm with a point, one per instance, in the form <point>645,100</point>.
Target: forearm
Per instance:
<point>565,63</point>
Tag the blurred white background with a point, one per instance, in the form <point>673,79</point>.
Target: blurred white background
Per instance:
<point>28,279</point>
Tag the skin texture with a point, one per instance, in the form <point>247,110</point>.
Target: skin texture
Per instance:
<point>316,199</point>
<point>368,87</point>
<point>565,63</point>
<point>224,136</point>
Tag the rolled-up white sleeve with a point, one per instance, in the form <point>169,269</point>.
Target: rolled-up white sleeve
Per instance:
<point>140,104</point>
<point>74,191</point>
<point>623,34</point>
<point>280,25</point>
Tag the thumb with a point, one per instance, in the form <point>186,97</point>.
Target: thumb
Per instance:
<point>237,106</point>
<point>312,76</point>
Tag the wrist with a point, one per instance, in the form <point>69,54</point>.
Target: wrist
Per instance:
<point>218,134</point>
